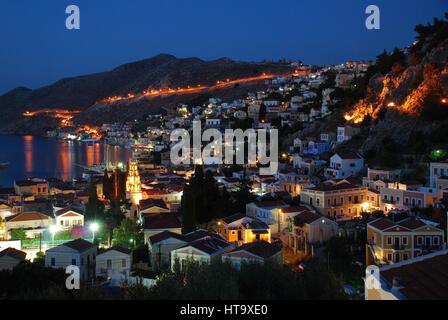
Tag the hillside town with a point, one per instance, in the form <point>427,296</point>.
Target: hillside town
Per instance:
<point>128,224</point>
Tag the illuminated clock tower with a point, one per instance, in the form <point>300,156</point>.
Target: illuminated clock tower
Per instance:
<point>133,188</point>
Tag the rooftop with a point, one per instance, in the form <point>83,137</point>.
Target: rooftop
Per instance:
<point>306,217</point>
<point>27,216</point>
<point>13,253</point>
<point>167,220</point>
<point>79,245</point>
<point>165,235</point>
<point>422,278</point>
<point>119,249</point>
<point>261,249</point>
<point>270,204</point>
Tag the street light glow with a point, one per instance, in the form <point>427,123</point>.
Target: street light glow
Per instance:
<point>54,229</point>
<point>94,227</point>
<point>365,206</point>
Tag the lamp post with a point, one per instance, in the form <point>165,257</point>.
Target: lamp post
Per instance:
<point>94,228</point>
<point>53,230</point>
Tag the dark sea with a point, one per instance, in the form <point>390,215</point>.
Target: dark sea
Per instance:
<point>32,156</point>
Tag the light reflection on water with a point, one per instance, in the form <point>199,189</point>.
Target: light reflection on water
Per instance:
<point>31,156</point>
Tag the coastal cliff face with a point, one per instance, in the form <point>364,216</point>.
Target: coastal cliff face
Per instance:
<point>414,101</point>
<point>404,106</point>
<point>85,93</point>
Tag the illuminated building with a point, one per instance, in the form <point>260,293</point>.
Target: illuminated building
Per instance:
<point>339,199</point>
<point>133,188</point>
<point>390,242</point>
<point>241,229</point>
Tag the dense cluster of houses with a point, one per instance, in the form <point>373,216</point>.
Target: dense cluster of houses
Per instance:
<point>319,186</point>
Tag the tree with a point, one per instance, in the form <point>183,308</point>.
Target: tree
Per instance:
<point>18,234</point>
<point>129,234</point>
<point>107,185</point>
<point>188,211</point>
<point>200,201</point>
<point>95,208</point>
<point>63,235</point>
<point>220,281</point>
<point>262,113</point>
<point>244,195</point>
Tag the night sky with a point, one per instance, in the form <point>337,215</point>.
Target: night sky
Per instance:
<point>36,48</point>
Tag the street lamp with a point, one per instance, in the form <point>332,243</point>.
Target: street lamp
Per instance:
<point>94,227</point>
<point>365,206</point>
<point>53,230</point>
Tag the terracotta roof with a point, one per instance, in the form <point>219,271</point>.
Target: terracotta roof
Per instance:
<point>145,204</point>
<point>119,249</point>
<point>307,217</point>
<point>348,155</point>
<point>261,249</point>
<point>200,234</point>
<point>382,224</point>
<point>412,223</point>
<point>409,224</point>
<point>27,216</point>
<point>165,235</point>
<point>167,220</point>
<point>209,245</point>
<point>294,209</point>
<point>234,218</point>
<point>423,278</point>
<point>13,253</point>
<point>79,245</point>
<point>68,209</point>
<point>256,224</point>
<point>334,187</point>
<point>270,204</point>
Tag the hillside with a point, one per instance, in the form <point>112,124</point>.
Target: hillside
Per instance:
<point>83,92</point>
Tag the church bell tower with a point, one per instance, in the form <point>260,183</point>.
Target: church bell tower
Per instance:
<point>133,188</point>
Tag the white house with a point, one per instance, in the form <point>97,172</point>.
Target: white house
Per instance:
<point>437,170</point>
<point>255,252</point>
<point>160,246</point>
<point>33,223</point>
<point>266,211</point>
<point>310,228</point>
<point>344,165</point>
<point>158,223</point>
<point>68,218</point>
<point>11,257</point>
<point>78,252</point>
<point>203,250</point>
<point>346,133</point>
<point>114,260</point>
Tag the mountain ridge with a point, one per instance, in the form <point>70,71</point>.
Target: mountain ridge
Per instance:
<point>157,72</point>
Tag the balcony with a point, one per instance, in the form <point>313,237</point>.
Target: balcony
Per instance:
<point>388,201</point>
<point>336,205</point>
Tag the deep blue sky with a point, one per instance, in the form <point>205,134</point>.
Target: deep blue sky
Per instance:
<point>37,50</point>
